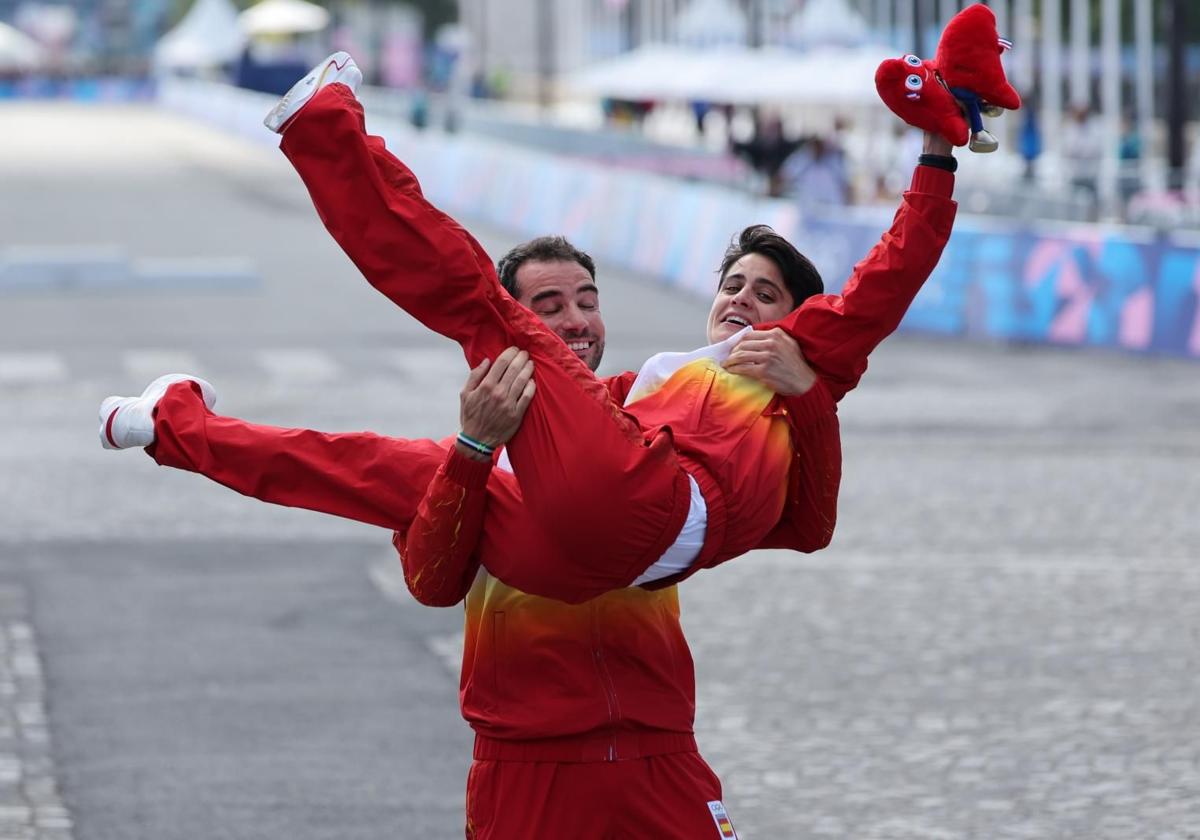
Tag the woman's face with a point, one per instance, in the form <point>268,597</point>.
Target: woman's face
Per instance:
<point>751,292</point>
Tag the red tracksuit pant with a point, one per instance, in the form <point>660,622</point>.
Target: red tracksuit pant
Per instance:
<point>665,797</point>
<point>611,498</point>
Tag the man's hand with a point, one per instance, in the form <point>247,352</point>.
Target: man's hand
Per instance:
<point>935,144</point>
<point>494,400</point>
<point>773,358</point>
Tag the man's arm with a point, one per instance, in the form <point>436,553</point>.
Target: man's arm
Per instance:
<point>838,332</point>
<point>439,550</point>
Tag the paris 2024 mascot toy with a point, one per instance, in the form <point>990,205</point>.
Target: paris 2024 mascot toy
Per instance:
<point>965,80</point>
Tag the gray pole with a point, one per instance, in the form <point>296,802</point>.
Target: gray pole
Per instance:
<point>755,33</point>
<point>884,14</point>
<point>1143,28</point>
<point>1051,73</point>
<point>1080,77</point>
<point>1110,100</point>
<point>918,25</point>
<point>1176,93</point>
<point>545,51</point>
<point>632,25</point>
<point>482,53</point>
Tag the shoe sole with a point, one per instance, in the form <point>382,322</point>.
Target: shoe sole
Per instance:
<point>112,405</point>
<point>278,119</point>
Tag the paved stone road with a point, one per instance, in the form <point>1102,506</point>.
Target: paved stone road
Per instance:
<point>30,806</point>
<point>1004,639</point>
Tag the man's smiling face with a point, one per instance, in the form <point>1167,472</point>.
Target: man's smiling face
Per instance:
<point>565,298</point>
<point>751,292</point>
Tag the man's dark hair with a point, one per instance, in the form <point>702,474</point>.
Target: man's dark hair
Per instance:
<point>799,275</point>
<point>542,249</point>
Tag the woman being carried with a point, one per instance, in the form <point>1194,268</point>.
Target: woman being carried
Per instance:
<point>697,465</point>
<point>688,426</point>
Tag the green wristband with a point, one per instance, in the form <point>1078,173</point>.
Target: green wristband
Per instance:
<point>477,445</point>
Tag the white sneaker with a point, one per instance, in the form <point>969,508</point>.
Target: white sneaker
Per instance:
<point>129,421</point>
<point>339,67</point>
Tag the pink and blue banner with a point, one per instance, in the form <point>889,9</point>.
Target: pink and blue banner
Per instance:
<point>1086,286</point>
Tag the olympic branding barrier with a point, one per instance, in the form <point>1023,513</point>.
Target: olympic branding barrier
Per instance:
<point>1092,286</point>
<point>94,89</point>
<point>1083,285</point>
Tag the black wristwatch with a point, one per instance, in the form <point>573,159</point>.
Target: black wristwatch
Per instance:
<point>947,162</point>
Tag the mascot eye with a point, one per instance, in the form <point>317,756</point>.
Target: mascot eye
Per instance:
<point>914,82</point>
<point>912,61</point>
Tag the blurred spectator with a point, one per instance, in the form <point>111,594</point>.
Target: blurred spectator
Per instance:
<point>480,89</point>
<point>1170,208</point>
<point>625,112</point>
<point>767,150</point>
<point>1129,156</point>
<point>891,159</point>
<point>1082,151</point>
<point>815,174</point>
<point>1029,142</point>
<point>418,114</point>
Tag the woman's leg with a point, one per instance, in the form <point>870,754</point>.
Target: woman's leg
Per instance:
<point>612,497</point>
<point>361,476</point>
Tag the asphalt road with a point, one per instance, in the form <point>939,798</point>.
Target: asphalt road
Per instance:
<point>1003,641</point>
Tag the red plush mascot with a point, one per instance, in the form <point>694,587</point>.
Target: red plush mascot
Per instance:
<point>949,95</point>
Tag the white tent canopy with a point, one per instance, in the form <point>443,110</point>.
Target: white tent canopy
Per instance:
<point>207,36</point>
<point>829,76</point>
<point>283,17</point>
<point>650,72</point>
<point>708,22</point>
<point>18,52</point>
<point>828,23</point>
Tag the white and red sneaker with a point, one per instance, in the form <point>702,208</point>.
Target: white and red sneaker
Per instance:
<point>339,67</point>
<point>129,421</point>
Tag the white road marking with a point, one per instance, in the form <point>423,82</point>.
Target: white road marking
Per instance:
<point>150,363</point>
<point>299,365</point>
<point>31,368</point>
<point>430,365</point>
<point>388,577</point>
<point>449,649</point>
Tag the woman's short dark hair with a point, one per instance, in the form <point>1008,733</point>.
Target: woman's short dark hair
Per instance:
<point>799,274</point>
<point>542,249</point>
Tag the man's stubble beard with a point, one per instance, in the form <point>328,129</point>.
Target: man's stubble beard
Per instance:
<point>597,355</point>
